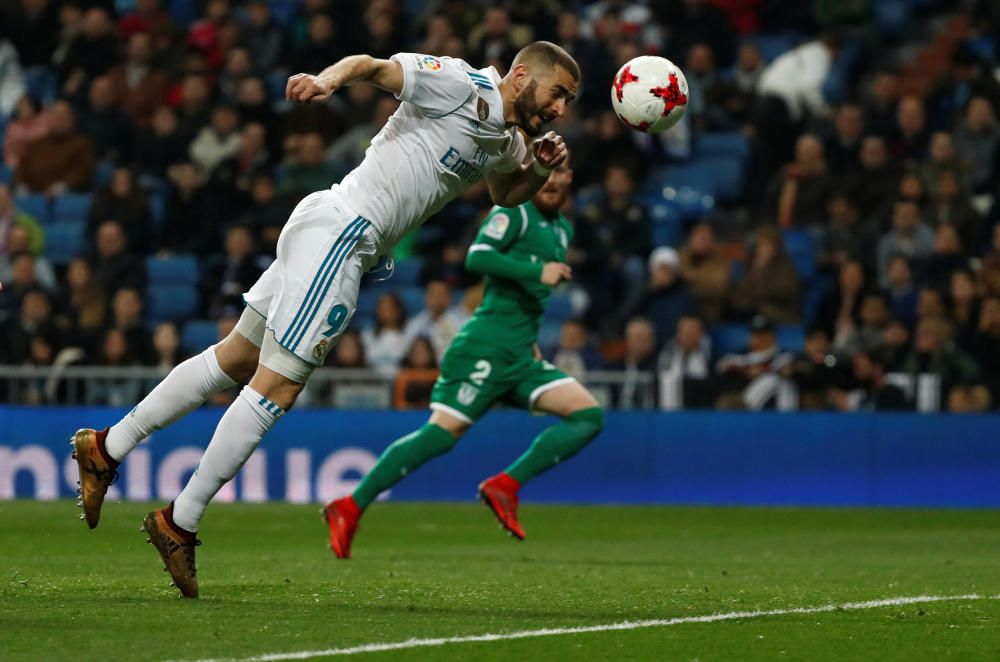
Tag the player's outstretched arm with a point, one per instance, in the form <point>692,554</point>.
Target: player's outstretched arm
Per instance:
<point>511,189</point>
<point>306,88</point>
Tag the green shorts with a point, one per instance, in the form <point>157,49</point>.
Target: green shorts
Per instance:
<point>473,378</point>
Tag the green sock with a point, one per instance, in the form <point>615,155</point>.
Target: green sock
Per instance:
<point>557,443</point>
<point>402,457</point>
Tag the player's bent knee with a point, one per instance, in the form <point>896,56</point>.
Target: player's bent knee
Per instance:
<point>450,424</point>
<point>591,419</point>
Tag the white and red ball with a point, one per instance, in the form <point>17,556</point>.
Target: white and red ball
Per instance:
<point>649,94</point>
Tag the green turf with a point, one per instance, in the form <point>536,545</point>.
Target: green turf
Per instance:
<point>269,584</point>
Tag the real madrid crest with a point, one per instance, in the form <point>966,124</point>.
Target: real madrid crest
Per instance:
<point>484,109</point>
<point>319,351</point>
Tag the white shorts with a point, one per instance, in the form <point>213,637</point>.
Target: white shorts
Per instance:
<point>309,294</point>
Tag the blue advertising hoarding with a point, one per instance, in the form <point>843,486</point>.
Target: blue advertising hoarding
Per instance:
<point>641,458</point>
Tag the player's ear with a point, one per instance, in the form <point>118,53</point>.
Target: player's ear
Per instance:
<point>521,76</point>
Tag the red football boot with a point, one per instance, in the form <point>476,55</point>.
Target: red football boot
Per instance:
<point>500,494</point>
<point>342,517</point>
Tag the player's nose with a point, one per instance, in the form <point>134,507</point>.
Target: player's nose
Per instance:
<point>559,107</point>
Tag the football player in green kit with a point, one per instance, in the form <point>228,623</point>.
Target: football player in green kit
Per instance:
<point>494,358</point>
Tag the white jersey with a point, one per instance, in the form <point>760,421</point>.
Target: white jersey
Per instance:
<point>446,135</point>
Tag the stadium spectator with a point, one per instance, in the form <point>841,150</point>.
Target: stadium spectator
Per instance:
<point>23,279</point>
<point>33,26</point>
<point>417,373</point>
<point>32,320</point>
<point>902,292</point>
<point>146,17</point>
<point>666,298</point>
<point>699,70</point>
<point>307,169</point>
<point>188,207</point>
<point>771,285</point>
<point>946,258</point>
<point>12,218</point>
<point>941,159</point>
<point>27,124</point>
<point>126,316</point>
<point>436,322</point>
<point>814,372</point>
<point>228,276</point>
<point>349,149</point>
<point>138,86</point>
<point>83,306</point>
<point>864,331</point>
<point>909,237</point>
<point>841,237</point>
<point>109,128</point>
<point>349,352</point>
<point>323,46</point>
<point>684,368</point>
<point>115,267</point>
<point>754,380</point>
<point>734,93</point>
<point>895,344</point>
<point>595,62</point>
<point>872,391</point>
<point>974,399</point>
<point>262,35</point>
<point>167,346</point>
<point>117,392</point>
<point>218,141</point>
<point>126,203</point>
<point>21,243</point>
<point>575,353</point>
<point>194,109</point>
<point>697,21</point>
<point>797,197</point>
<point>706,271</point>
<point>910,136</point>
<point>638,388</point>
<point>12,85</point>
<point>987,344</point>
<point>605,142</point>
<point>63,159</point>
<point>842,143</point>
<point>964,308</point>
<point>874,184</point>
<point>92,51</point>
<point>951,206</point>
<point>977,142</point>
<point>267,213</point>
<point>161,145</point>
<point>238,66</point>
<point>935,364</point>
<point>491,42</point>
<point>385,342</point>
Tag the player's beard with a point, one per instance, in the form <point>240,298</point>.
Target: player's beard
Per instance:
<point>526,107</point>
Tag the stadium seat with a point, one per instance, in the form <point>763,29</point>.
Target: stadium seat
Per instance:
<point>6,174</point>
<point>199,334</point>
<point>170,303</point>
<point>726,173</point>
<point>103,172</point>
<point>773,45</point>
<point>283,10</point>
<point>35,204</point>
<point>63,241</point>
<point>71,207</point>
<point>724,143</point>
<point>172,270</point>
<point>548,334</point>
<point>413,299</point>
<point>791,338</point>
<point>729,338</point>
<point>668,234</point>
<point>801,248</point>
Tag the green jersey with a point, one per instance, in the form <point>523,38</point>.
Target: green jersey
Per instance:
<point>511,248</point>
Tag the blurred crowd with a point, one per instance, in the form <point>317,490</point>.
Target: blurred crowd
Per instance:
<point>872,140</point>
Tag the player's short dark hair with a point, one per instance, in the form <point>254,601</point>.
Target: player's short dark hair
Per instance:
<point>548,55</point>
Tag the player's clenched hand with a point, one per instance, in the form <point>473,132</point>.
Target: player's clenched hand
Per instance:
<point>554,273</point>
<point>306,88</point>
<point>550,150</point>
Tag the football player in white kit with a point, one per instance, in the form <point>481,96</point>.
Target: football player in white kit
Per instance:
<point>456,125</point>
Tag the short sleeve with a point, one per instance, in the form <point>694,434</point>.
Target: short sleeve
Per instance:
<point>512,157</point>
<point>436,85</point>
<point>500,229</point>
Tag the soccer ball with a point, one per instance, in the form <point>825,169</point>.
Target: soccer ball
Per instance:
<point>649,94</point>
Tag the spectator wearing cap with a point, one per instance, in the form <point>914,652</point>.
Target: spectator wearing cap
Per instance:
<point>771,285</point>
<point>667,297</point>
<point>706,271</point>
<point>754,380</point>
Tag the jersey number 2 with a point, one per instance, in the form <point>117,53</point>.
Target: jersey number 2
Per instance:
<point>481,373</point>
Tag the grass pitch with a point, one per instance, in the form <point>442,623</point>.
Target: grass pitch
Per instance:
<point>269,585</point>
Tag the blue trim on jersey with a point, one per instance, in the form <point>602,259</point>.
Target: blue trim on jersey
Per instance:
<point>345,251</point>
<point>480,80</point>
<point>296,321</point>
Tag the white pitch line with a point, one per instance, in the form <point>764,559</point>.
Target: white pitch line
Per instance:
<point>610,627</point>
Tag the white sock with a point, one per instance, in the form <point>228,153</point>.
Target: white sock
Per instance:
<point>242,426</point>
<point>183,390</point>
